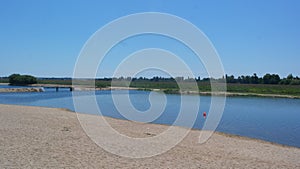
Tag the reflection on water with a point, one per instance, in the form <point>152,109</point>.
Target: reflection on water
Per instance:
<point>271,119</point>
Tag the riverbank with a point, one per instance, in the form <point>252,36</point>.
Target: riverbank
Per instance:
<point>240,90</point>
<point>38,88</point>
<point>14,90</point>
<point>231,94</point>
<point>36,137</point>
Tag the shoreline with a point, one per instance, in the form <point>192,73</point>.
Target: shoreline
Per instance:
<point>163,125</point>
<point>53,138</point>
<point>21,90</point>
<point>232,94</point>
<point>227,94</point>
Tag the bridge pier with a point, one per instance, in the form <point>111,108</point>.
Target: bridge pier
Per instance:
<point>57,88</point>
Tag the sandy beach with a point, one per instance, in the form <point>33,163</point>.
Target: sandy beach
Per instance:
<point>36,137</point>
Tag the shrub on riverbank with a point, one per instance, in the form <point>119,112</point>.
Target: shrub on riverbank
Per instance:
<point>17,79</point>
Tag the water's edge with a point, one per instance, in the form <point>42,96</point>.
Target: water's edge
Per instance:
<point>192,129</point>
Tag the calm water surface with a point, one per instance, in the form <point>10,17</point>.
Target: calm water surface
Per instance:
<point>271,119</point>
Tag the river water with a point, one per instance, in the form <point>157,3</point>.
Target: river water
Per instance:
<point>272,119</point>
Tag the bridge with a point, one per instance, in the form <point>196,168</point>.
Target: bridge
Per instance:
<point>57,87</point>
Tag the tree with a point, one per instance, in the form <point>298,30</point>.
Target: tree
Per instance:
<point>12,78</point>
<point>271,79</point>
<point>244,79</point>
<point>295,82</point>
<point>254,79</point>
<point>17,79</point>
<point>290,77</point>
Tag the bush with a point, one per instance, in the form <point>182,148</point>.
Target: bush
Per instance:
<point>285,81</point>
<point>295,82</point>
<point>17,79</point>
<point>171,91</point>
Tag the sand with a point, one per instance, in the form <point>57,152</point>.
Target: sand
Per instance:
<point>14,90</point>
<point>35,137</point>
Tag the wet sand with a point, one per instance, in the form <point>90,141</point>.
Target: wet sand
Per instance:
<point>36,137</point>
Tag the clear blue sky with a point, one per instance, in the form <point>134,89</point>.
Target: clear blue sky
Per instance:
<point>43,38</point>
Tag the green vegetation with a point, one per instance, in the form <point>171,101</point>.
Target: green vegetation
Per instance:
<point>103,83</point>
<point>243,84</point>
<point>3,79</point>
<point>17,79</point>
<point>266,79</point>
<point>59,81</point>
<point>154,84</point>
<point>171,91</point>
<point>268,84</point>
<point>293,90</point>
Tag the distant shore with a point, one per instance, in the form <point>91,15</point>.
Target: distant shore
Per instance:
<point>36,137</point>
<point>230,94</point>
<point>37,88</point>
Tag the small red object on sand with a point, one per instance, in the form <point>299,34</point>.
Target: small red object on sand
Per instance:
<point>204,114</point>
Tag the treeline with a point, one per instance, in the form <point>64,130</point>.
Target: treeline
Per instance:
<point>254,79</point>
<point>266,79</point>
<point>16,79</point>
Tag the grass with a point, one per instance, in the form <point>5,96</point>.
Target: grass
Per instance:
<point>3,80</point>
<point>293,90</point>
<point>55,81</point>
<point>173,87</point>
